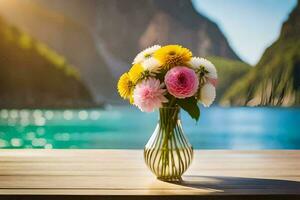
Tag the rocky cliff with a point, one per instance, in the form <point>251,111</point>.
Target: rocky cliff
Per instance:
<point>101,37</point>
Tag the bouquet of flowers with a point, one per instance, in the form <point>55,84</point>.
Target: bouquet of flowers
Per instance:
<point>169,76</point>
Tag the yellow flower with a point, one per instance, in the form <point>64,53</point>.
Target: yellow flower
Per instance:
<point>125,87</point>
<point>173,55</point>
<point>136,73</point>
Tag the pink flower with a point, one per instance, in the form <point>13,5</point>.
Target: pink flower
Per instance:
<point>182,82</point>
<point>149,95</point>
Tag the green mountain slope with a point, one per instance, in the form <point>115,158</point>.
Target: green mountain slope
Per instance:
<point>229,71</point>
<point>32,75</point>
<point>276,78</point>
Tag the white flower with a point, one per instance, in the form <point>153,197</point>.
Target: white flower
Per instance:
<point>197,62</point>
<point>145,54</point>
<point>207,94</point>
<point>152,65</point>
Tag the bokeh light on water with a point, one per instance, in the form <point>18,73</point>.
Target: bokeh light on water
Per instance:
<point>124,127</point>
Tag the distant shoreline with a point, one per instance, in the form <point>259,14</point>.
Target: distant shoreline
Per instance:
<point>96,106</point>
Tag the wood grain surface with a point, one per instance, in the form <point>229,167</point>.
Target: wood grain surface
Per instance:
<point>109,174</point>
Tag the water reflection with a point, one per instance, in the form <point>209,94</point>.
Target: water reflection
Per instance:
<point>39,121</point>
<point>95,115</point>
<point>30,136</point>
<point>13,114</point>
<point>39,142</point>
<point>24,114</point>
<point>16,142</point>
<point>62,136</point>
<point>49,115</point>
<point>3,143</point>
<point>68,114</point>
<point>4,114</point>
<point>83,115</point>
<point>40,131</point>
<point>218,128</point>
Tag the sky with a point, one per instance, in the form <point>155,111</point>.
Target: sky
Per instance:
<point>249,25</point>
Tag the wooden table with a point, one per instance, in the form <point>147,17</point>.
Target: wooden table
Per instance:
<point>122,174</point>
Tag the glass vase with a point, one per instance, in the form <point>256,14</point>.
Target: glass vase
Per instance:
<point>168,153</point>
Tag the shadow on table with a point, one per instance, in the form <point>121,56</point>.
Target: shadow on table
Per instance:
<point>211,188</point>
<point>275,188</point>
<point>240,183</point>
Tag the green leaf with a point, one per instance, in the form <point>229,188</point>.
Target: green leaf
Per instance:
<point>190,106</point>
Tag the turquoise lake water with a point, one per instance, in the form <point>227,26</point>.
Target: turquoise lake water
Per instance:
<point>128,128</point>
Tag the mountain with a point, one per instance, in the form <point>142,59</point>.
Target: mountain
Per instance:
<point>102,37</point>
<point>34,76</point>
<point>276,78</point>
<point>229,71</point>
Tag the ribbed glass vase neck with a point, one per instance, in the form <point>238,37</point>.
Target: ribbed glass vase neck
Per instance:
<point>168,115</point>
